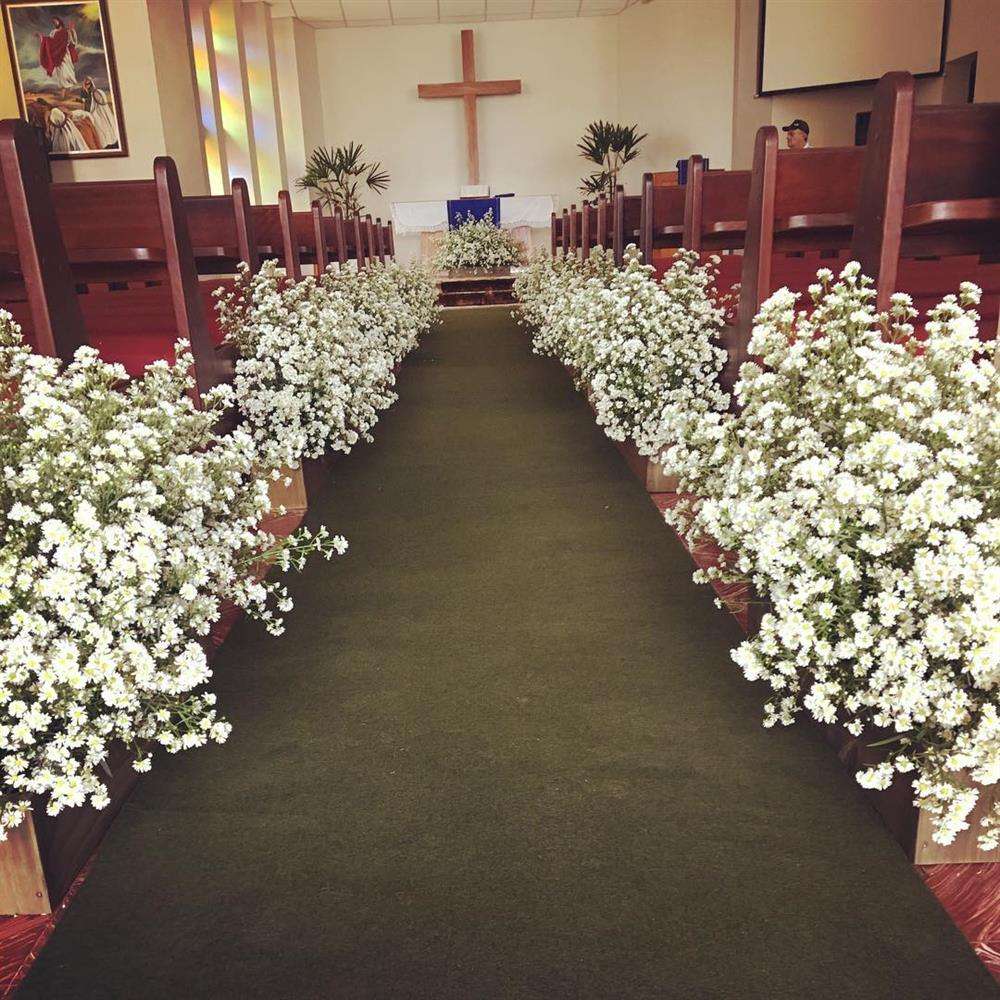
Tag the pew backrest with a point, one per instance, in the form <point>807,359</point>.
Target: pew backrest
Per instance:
<point>627,219</point>
<point>34,266</point>
<point>800,199</point>
<point>715,207</point>
<point>148,245</point>
<point>221,230</point>
<point>273,229</point>
<point>661,217</point>
<point>930,183</point>
<point>587,225</point>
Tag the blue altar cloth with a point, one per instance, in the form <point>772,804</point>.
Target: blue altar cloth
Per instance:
<point>478,207</point>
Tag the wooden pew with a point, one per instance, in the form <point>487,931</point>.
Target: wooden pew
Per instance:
<point>587,226</point>
<point>661,217</point>
<point>801,201</point>
<point>574,229</point>
<point>222,238</point>
<point>603,218</point>
<point>715,208</point>
<point>34,268</point>
<point>274,232</point>
<point>356,244</point>
<point>319,239</point>
<point>55,239</point>
<point>331,237</point>
<point>221,229</point>
<point>142,291</point>
<point>930,185</point>
<point>595,226</point>
<point>368,238</point>
<point>626,222</point>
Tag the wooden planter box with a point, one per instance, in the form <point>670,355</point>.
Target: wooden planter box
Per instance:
<point>293,496</point>
<point>41,858</point>
<point>476,288</point>
<point>650,473</point>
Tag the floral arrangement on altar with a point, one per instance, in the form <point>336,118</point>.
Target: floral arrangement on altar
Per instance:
<point>645,351</point>
<point>127,521</point>
<point>478,244</point>
<point>857,489</point>
<point>316,358</point>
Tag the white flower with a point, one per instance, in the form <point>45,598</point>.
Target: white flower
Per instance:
<point>127,522</point>
<point>645,352</point>
<point>316,358</point>
<point>856,488</point>
<point>477,244</point>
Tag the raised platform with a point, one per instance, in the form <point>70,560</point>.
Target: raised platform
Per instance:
<point>468,287</point>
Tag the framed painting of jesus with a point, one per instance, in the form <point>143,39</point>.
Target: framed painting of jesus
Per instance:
<point>64,70</point>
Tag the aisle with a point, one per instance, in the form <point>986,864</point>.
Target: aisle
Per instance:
<point>501,752</point>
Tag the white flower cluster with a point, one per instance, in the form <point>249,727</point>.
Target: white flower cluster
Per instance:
<point>316,359</point>
<point>125,522</point>
<point>645,351</point>
<point>478,244</point>
<point>857,489</point>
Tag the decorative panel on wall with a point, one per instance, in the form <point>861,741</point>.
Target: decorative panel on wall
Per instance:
<point>233,54</point>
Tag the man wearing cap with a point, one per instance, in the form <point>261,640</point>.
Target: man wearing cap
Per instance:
<point>797,134</point>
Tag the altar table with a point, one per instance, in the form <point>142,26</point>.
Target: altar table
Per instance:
<point>534,211</point>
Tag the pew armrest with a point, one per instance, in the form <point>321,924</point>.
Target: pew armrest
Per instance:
<point>818,220</point>
<point>726,226</point>
<point>963,210</point>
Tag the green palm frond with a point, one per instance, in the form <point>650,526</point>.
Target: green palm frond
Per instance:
<point>335,174</point>
<point>611,146</point>
<point>595,184</point>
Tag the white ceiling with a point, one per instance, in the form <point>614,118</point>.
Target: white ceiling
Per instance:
<point>377,13</point>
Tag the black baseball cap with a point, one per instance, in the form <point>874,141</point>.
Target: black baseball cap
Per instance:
<point>797,123</point>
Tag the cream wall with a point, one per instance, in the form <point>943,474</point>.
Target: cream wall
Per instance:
<point>527,143</point>
<point>675,70</point>
<point>8,92</point>
<point>177,94</point>
<point>639,66</point>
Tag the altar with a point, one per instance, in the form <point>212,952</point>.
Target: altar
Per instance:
<point>518,213</point>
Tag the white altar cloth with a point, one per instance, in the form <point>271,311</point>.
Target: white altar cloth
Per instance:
<point>432,216</point>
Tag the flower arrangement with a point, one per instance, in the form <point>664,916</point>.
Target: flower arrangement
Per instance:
<point>644,350</point>
<point>478,244</point>
<point>315,358</point>
<point>857,489</point>
<point>545,286</point>
<point>126,521</point>
<point>394,302</point>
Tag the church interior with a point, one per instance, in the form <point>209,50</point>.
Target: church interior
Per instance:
<point>539,457</point>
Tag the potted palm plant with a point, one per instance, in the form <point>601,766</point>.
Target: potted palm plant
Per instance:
<point>610,146</point>
<point>340,174</point>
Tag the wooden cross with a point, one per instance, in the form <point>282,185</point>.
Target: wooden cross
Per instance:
<point>469,90</point>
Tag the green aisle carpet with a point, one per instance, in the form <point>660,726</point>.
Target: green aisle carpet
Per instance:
<point>501,752</point>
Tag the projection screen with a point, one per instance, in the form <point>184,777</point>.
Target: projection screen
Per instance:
<point>825,43</point>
